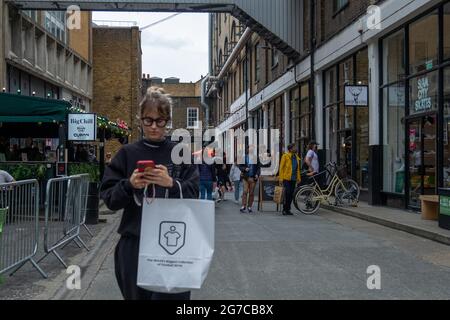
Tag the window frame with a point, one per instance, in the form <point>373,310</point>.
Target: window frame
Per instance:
<point>257,62</point>
<point>339,6</point>
<point>188,118</point>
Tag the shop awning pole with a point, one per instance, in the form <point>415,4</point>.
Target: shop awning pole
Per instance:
<point>102,152</point>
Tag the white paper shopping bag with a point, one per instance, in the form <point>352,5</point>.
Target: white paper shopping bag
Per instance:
<point>176,244</point>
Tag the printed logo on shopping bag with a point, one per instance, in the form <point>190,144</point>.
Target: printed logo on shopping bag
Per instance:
<point>172,236</point>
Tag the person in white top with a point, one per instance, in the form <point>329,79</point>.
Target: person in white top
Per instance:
<point>312,159</point>
<point>235,177</point>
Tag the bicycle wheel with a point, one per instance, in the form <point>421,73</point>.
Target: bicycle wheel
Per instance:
<point>295,197</point>
<point>347,192</point>
<point>306,200</point>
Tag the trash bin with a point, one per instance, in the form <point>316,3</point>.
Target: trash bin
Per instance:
<point>444,208</point>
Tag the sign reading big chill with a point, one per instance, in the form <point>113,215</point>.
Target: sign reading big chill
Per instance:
<point>82,126</point>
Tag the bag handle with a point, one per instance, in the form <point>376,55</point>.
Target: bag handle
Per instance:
<point>136,200</point>
<point>154,194</point>
<point>179,186</point>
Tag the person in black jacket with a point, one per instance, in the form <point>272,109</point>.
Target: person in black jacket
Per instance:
<point>122,188</point>
<point>208,179</point>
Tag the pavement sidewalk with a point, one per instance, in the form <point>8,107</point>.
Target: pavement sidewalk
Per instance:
<point>397,219</point>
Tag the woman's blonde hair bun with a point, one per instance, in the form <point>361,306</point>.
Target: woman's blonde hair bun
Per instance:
<point>156,97</point>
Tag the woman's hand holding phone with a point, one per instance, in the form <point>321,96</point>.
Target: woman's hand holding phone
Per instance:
<point>159,176</point>
<point>148,173</point>
<point>139,180</point>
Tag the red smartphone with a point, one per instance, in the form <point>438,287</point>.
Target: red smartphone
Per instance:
<point>144,165</point>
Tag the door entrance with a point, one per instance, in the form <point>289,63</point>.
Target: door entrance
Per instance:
<point>422,159</point>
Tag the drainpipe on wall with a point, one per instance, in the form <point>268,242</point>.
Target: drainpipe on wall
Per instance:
<point>203,99</point>
<point>208,76</point>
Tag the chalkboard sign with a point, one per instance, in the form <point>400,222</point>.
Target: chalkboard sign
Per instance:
<point>266,190</point>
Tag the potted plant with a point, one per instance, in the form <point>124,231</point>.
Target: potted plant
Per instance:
<point>93,200</point>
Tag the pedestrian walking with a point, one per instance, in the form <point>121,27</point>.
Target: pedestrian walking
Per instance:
<point>207,180</point>
<point>235,178</point>
<point>250,171</point>
<point>290,175</point>
<point>222,178</point>
<point>122,188</point>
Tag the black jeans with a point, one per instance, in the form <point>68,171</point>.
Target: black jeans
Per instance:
<point>126,267</point>
<point>289,188</point>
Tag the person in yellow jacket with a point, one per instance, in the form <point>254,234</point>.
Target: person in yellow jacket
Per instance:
<point>290,175</point>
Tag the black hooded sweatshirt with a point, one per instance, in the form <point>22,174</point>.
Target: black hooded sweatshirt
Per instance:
<point>118,193</point>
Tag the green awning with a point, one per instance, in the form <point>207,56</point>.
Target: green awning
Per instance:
<point>16,108</point>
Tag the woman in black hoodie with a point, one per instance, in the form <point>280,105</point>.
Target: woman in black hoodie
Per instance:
<point>122,188</point>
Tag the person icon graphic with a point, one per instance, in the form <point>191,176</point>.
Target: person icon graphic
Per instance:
<point>172,237</point>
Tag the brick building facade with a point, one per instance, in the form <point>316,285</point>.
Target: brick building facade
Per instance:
<point>117,60</point>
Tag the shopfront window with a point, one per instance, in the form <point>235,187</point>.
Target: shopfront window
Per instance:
<point>345,78</point>
<point>424,93</point>
<point>331,114</point>
<point>394,139</point>
<point>279,120</point>
<point>295,116</point>
<point>362,123</point>
<point>447,31</point>
<point>330,86</point>
<point>411,126</point>
<point>446,168</point>
<point>394,57</point>
<point>423,39</point>
<point>305,118</point>
<point>345,116</point>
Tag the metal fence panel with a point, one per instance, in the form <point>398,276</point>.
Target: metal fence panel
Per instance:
<point>20,233</point>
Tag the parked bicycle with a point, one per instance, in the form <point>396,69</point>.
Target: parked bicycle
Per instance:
<point>340,191</point>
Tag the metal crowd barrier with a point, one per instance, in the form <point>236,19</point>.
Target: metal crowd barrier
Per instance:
<point>85,196</point>
<point>19,237</point>
<point>65,211</point>
<point>84,200</point>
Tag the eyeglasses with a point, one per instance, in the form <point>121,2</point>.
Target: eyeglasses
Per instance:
<point>160,123</point>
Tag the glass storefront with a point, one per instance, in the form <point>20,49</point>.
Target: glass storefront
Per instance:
<point>347,128</point>
<point>446,162</point>
<point>300,117</point>
<point>276,118</point>
<point>447,31</point>
<point>423,43</point>
<point>414,76</point>
<point>394,137</point>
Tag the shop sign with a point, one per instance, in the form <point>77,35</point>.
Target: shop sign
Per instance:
<point>357,96</point>
<point>445,205</point>
<point>82,126</point>
<point>423,102</point>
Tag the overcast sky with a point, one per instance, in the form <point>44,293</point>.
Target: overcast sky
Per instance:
<point>174,48</point>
